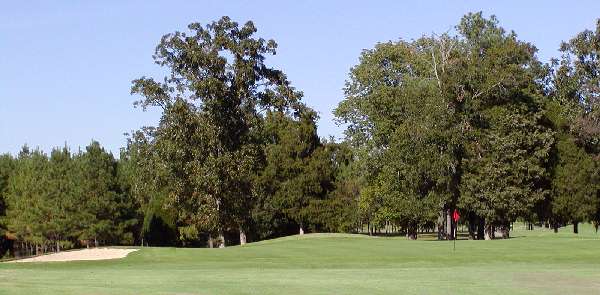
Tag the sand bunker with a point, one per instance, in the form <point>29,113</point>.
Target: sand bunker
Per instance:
<point>85,254</point>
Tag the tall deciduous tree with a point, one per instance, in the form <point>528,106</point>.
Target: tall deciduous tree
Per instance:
<point>509,139</point>
<point>402,127</point>
<point>578,82</point>
<point>218,87</point>
<point>449,120</point>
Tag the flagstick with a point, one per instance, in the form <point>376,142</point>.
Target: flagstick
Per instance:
<point>455,236</point>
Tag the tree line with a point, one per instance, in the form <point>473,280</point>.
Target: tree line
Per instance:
<point>470,120</point>
<point>62,200</point>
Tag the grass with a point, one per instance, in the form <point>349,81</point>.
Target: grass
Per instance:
<point>532,262</point>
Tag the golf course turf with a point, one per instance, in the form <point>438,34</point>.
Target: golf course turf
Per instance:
<point>531,262</point>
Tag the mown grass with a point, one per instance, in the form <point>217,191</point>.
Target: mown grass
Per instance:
<point>532,262</point>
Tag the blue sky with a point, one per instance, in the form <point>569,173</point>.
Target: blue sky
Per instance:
<point>66,66</point>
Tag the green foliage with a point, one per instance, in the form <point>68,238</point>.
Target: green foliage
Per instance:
<point>7,165</point>
<point>469,120</point>
<point>576,98</point>
<point>448,120</point>
<point>505,174</point>
<point>575,184</point>
<point>290,178</point>
<point>401,130</point>
<point>66,199</point>
<point>27,198</point>
<point>208,141</point>
<point>577,86</point>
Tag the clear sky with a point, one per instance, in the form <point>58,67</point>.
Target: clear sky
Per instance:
<point>66,66</point>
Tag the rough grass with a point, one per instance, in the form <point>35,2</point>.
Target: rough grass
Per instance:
<point>532,262</point>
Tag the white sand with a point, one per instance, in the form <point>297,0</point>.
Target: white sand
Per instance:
<point>85,254</point>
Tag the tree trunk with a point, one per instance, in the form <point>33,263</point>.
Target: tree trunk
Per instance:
<point>221,239</point>
<point>210,241</point>
<point>449,233</point>
<point>440,225</point>
<point>57,246</point>
<point>96,242</point>
<point>411,232</point>
<point>488,232</point>
<point>242,237</point>
<point>504,231</point>
<point>472,226</point>
<point>301,230</point>
<point>575,227</point>
<point>480,228</point>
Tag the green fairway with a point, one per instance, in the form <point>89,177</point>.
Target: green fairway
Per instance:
<point>534,262</point>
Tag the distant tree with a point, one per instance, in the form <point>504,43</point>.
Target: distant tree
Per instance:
<point>575,186</point>
<point>509,139</point>
<point>575,92</point>
<point>61,196</point>
<point>401,130</point>
<point>145,180</point>
<point>26,199</point>
<point>577,84</point>
<point>287,183</point>
<point>58,201</point>
<point>448,121</point>
<point>338,210</point>
<point>99,202</point>
<point>7,166</point>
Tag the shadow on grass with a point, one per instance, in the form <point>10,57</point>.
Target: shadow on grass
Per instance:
<point>433,237</point>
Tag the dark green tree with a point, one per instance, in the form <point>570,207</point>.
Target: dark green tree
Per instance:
<point>337,211</point>
<point>99,201</point>
<point>448,121</point>
<point>144,179</point>
<point>401,125</point>
<point>213,100</point>
<point>7,166</point>
<point>287,184</point>
<point>575,186</point>
<point>509,139</point>
<point>26,199</point>
<point>575,92</point>
<point>61,196</point>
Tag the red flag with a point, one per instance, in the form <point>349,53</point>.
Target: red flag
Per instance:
<point>455,215</point>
